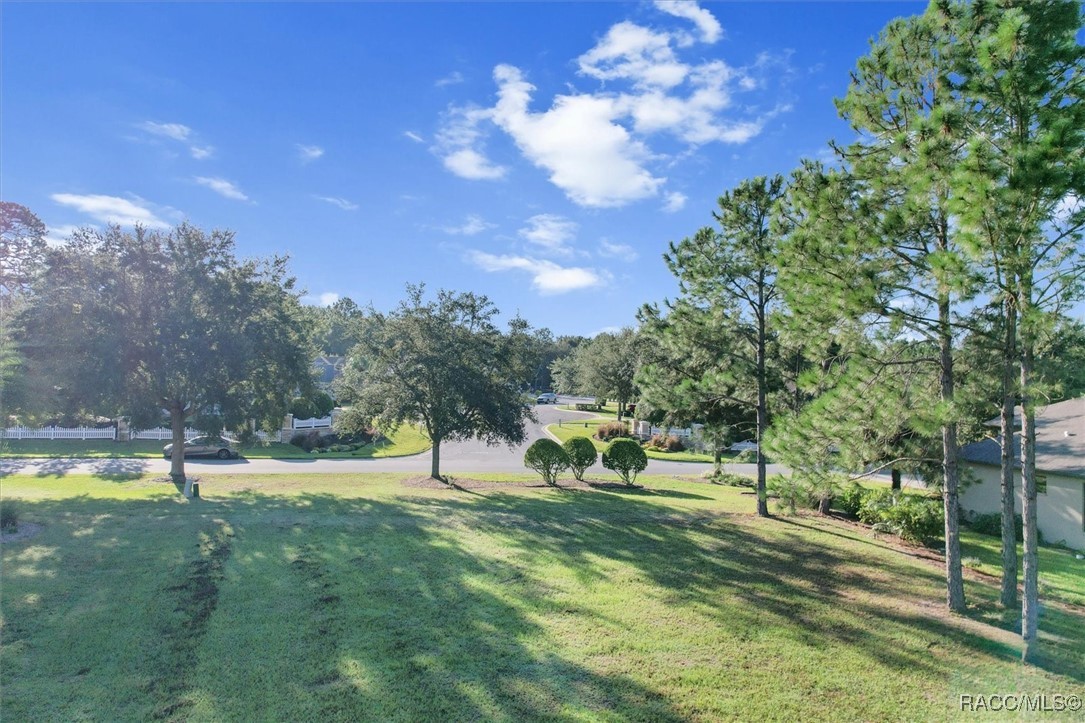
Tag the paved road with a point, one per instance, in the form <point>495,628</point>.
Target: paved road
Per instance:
<point>457,458</point>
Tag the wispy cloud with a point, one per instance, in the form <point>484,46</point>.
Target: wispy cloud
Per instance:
<point>224,188</point>
<point>308,154</point>
<point>550,232</point>
<point>471,226</point>
<point>674,201</point>
<point>625,252</point>
<point>453,78</point>
<point>460,145</point>
<point>710,28</point>
<point>340,202</point>
<point>547,277</point>
<point>414,136</point>
<point>180,133</point>
<point>176,131</point>
<point>112,209</point>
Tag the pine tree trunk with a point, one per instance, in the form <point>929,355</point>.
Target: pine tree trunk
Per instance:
<point>954,577</point>
<point>1008,595</point>
<point>762,424</point>
<point>1030,602</point>
<point>895,475</point>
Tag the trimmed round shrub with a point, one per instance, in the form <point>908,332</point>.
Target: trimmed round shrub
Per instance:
<point>625,457</point>
<point>581,453</point>
<point>546,457</point>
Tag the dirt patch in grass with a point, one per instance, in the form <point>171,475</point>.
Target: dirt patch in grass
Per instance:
<point>196,599</point>
<point>25,531</point>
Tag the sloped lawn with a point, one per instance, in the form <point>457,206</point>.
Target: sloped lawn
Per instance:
<point>336,597</point>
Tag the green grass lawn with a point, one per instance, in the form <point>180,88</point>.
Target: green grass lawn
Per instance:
<point>347,597</point>
<point>406,440</point>
<point>1062,575</point>
<point>608,413</point>
<point>587,427</point>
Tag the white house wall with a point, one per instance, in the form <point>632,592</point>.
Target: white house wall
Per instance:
<point>1060,511</point>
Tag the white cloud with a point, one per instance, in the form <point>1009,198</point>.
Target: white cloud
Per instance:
<point>688,9</point>
<point>222,187</point>
<point>308,153</point>
<point>674,201</point>
<point>589,156</point>
<point>546,277</point>
<point>634,53</point>
<point>471,226</point>
<point>453,78</point>
<point>326,299</point>
<point>112,209</point>
<point>414,137</point>
<point>624,252</point>
<point>340,202</point>
<point>59,235</point>
<point>459,145</point>
<point>550,232</point>
<point>176,131</point>
<point>595,146</point>
<point>472,165</point>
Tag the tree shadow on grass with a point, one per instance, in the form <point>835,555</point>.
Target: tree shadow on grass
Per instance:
<point>434,606</point>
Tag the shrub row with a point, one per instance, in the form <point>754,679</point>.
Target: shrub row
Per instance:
<point>549,458</point>
<point>314,441</point>
<point>914,518</point>
<point>991,524</point>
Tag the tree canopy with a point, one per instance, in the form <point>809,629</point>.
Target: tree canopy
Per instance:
<point>442,364</point>
<point>133,323</point>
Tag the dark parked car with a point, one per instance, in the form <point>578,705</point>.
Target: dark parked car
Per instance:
<point>206,447</point>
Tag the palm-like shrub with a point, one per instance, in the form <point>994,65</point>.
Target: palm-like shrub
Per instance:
<point>625,457</point>
<point>546,457</point>
<point>581,453</point>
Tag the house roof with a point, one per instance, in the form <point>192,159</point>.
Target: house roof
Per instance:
<point>1060,440</point>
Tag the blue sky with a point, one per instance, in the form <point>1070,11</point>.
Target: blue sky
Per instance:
<point>541,154</point>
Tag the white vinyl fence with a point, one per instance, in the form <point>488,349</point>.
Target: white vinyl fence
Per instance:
<point>59,433</point>
<point>314,423</point>
<point>161,433</point>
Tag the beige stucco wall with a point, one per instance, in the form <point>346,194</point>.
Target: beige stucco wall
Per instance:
<point>1060,511</point>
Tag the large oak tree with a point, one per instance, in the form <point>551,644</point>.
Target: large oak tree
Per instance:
<point>442,364</point>
<point>133,323</point>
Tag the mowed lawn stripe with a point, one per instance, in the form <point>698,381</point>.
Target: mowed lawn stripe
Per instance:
<point>361,598</point>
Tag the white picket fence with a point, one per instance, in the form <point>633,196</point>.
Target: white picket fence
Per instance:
<point>59,433</point>
<point>314,423</point>
<point>161,433</point>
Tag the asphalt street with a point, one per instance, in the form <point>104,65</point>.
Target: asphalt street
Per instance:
<point>457,458</point>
